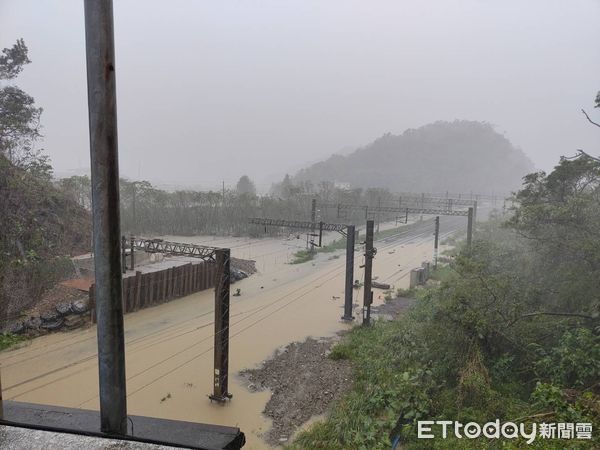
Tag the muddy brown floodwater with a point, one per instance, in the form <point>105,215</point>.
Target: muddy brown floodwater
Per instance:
<point>169,347</point>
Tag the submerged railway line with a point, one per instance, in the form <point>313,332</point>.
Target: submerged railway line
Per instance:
<point>171,343</point>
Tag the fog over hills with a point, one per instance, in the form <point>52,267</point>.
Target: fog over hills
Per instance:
<point>459,156</point>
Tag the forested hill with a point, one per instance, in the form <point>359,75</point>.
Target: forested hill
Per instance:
<point>40,227</point>
<point>459,156</point>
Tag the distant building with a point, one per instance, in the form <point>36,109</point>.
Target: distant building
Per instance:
<point>341,185</point>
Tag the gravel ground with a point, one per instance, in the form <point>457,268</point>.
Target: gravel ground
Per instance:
<point>303,381</point>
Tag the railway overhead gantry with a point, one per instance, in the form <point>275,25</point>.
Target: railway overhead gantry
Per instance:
<point>221,257</point>
<point>348,231</point>
<point>443,207</point>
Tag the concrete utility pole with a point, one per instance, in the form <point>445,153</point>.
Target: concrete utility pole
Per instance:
<point>102,106</point>
<point>435,241</point>
<point>369,255</point>
<point>350,235</point>
<point>470,228</point>
<point>221,347</point>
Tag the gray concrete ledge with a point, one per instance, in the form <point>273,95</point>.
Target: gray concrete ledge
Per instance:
<point>148,430</point>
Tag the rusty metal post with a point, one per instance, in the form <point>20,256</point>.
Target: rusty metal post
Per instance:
<point>470,228</point>
<point>350,235</point>
<point>99,39</point>
<point>369,254</point>
<point>435,241</point>
<point>221,347</point>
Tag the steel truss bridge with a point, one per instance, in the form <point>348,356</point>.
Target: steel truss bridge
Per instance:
<point>175,248</point>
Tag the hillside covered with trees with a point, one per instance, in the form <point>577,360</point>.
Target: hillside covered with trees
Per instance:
<point>40,225</point>
<point>460,156</point>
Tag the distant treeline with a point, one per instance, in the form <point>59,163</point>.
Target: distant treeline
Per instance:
<point>148,210</point>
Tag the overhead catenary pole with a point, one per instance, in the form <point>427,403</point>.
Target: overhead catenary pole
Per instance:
<point>369,254</point>
<point>378,213</point>
<point>123,254</point>
<point>470,228</point>
<point>99,39</point>
<point>131,245</point>
<point>435,241</point>
<point>221,344</point>
<point>313,220</point>
<point>133,211</point>
<point>350,235</point>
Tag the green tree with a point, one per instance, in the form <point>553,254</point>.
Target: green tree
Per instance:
<point>245,186</point>
<point>19,117</point>
<point>559,215</point>
<point>79,189</point>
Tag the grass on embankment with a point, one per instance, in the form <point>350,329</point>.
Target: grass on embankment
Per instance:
<point>408,370</point>
<point>303,256</point>
<point>8,340</point>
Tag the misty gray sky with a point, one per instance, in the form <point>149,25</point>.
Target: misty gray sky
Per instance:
<point>211,90</point>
